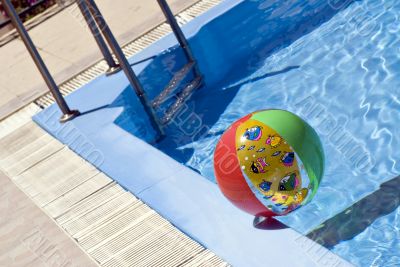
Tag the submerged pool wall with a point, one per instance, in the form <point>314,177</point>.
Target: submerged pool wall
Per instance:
<point>237,32</point>
<point>228,42</point>
<point>222,39</point>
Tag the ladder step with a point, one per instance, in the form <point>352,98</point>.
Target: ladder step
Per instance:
<point>180,99</point>
<point>173,84</point>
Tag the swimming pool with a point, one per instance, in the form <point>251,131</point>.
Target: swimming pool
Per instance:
<point>342,79</point>
<point>333,63</point>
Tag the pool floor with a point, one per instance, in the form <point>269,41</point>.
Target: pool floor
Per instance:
<point>343,79</point>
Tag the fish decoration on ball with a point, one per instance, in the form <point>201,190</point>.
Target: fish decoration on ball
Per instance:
<point>269,163</point>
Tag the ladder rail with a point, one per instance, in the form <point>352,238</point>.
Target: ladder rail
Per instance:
<point>189,88</point>
<point>68,114</point>
<point>100,29</point>
<point>126,67</point>
<point>178,34</point>
<point>113,67</point>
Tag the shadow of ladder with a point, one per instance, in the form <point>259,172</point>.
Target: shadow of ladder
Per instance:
<point>355,219</point>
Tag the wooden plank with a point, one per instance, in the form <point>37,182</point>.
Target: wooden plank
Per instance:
<point>92,202</point>
<point>59,167</point>
<point>30,155</point>
<point>20,118</point>
<point>64,203</point>
<point>100,214</point>
<point>19,138</point>
<point>117,225</point>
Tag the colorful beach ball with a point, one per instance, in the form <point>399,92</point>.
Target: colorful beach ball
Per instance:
<point>269,163</point>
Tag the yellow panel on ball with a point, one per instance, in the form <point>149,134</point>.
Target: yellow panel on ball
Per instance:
<point>270,166</point>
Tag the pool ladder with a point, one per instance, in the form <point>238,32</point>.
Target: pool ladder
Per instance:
<point>180,76</point>
<point>109,46</point>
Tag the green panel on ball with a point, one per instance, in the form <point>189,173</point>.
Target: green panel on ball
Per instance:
<point>301,136</point>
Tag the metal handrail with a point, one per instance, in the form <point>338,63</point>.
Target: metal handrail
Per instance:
<point>130,74</point>
<point>178,34</point>
<point>182,96</point>
<point>113,67</point>
<point>100,29</point>
<point>68,114</point>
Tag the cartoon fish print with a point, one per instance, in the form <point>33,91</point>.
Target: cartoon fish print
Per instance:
<point>253,134</point>
<point>268,196</point>
<point>288,159</point>
<point>300,196</point>
<point>310,186</point>
<point>241,147</point>
<point>289,182</point>
<point>261,149</point>
<point>259,166</point>
<point>276,153</point>
<point>274,140</point>
<point>265,186</point>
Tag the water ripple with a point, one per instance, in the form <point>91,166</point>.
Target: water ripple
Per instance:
<point>349,72</point>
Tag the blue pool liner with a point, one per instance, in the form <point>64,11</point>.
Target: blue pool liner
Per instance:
<point>190,202</point>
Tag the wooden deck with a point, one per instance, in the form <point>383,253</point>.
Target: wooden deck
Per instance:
<point>107,222</point>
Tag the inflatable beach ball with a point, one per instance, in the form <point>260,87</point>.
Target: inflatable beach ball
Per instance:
<point>269,163</point>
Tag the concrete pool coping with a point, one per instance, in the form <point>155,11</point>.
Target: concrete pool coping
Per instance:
<point>185,198</point>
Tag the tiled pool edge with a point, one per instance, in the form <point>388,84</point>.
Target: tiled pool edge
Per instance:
<point>192,186</point>
<point>74,197</point>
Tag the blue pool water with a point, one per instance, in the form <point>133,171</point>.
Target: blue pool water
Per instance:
<point>335,63</point>
<point>342,78</point>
